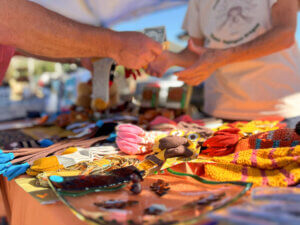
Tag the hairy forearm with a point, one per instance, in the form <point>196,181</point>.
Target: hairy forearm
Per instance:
<point>39,31</point>
<point>185,58</point>
<point>20,52</point>
<point>271,42</point>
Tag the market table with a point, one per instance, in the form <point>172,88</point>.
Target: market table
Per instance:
<point>22,209</point>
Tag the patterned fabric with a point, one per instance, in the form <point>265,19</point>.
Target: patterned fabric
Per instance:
<point>272,167</point>
<point>272,139</point>
<point>6,53</point>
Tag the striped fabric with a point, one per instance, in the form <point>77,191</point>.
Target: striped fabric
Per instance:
<point>271,166</point>
<point>6,53</point>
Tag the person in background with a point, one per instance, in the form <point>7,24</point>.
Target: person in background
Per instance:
<point>245,51</point>
<point>46,34</point>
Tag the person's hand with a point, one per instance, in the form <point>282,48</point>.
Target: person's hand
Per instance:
<point>135,50</point>
<point>160,66</point>
<point>202,69</point>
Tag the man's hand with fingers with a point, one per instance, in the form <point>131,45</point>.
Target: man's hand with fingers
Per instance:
<point>203,68</point>
<point>159,67</point>
<point>135,50</point>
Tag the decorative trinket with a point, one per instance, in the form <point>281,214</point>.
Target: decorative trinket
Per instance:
<point>160,187</point>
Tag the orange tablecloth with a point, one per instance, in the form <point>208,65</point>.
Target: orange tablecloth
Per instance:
<point>25,210</point>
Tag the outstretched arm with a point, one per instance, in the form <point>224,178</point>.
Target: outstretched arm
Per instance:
<point>39,31</point>
<point>280,37</point>
<point>167,59</point>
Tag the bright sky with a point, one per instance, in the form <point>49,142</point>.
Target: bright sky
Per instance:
<point>171,18</point>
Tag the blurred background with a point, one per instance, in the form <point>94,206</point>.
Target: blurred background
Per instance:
<point>38,86</point>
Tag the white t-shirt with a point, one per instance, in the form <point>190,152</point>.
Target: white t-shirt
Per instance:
<point>246,90</point>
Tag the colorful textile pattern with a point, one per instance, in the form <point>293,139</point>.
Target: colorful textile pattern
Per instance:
<point>272,139</point>
<point>253,127</point>
<point>271,166</point>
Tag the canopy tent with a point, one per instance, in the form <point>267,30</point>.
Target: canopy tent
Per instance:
<point>107,12</point>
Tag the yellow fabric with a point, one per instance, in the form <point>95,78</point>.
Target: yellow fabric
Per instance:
<point>70,151</point>
<point>46,164</point>
<point>253,127</point>
<point>273,167</point>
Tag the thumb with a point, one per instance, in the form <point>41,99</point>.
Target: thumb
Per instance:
<point>194,48</point>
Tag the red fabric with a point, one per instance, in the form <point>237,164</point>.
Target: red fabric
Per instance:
<point>222,143</point>
<point>161,120</point>
<point>188,119</point>
<point>6,53</point>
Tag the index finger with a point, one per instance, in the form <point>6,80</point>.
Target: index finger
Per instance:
<point>184,73</point>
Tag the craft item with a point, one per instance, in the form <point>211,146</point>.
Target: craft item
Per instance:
<point>179,147</point>
<point>253,127</point>
<point>222,143</point>
<point>133,140</point>
<point>7,138</point>
<point>114,179</point>
<point>183,191</point>
<point>160,187</point>
<point>16,162</point>
<point>136,187</point>
<point>115,204</point>
<point>101,81</point>
<point>193,127</point>
<point>271,167</point>
<point>71,157</point>
<point>284,137</point>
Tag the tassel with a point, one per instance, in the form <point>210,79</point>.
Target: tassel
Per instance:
<point>45,143</point>
<point>3,167</point>
<point>222,143</point>
<point>6,157</point>
<point>16,170</point>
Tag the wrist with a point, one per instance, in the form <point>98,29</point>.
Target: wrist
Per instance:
<point>218,57</point>
<point>172,59</point>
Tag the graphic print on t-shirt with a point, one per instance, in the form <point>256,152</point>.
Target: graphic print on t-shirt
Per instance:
<point>235,21</point>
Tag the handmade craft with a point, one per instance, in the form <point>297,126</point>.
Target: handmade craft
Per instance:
<point>16,162</point>
<point>271,166</point>
<point>160,187</point>
<point>78,185</point>
<point>70,157</point>
<point>133,140</point>
<point>176,146</point>
<point>284,137</point>
<point>222,143</point>
<point>96,167</point>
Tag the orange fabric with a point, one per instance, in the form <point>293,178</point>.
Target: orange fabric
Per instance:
<point>25,210</point>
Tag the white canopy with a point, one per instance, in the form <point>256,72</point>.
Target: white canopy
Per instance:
<point>106,12</point>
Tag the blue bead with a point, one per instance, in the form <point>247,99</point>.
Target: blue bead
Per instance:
<point>99,123</point>
<point>57,179</point>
